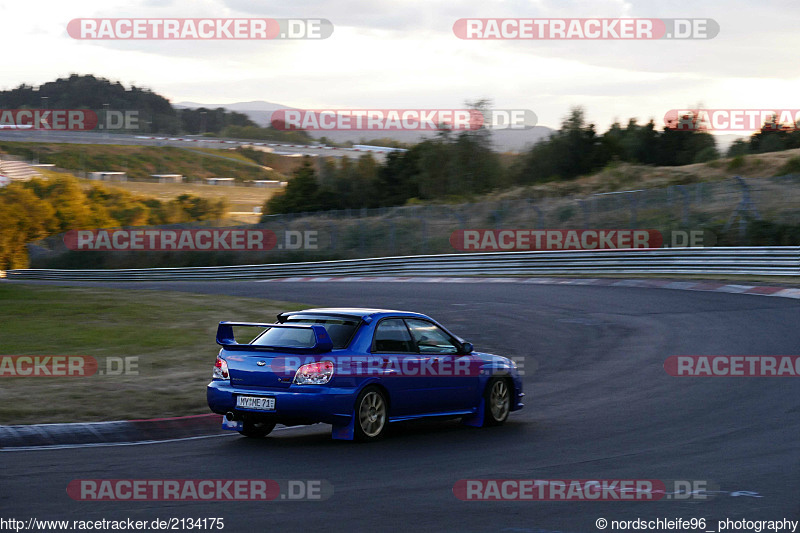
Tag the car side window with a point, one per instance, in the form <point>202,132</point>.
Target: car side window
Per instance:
<point>430,338</point>
<point>391,335</point>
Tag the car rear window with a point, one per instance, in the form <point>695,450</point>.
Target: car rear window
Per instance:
<point>340,329</point>
<point>289,337</point>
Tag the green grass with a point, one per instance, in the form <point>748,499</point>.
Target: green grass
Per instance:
<point>171,333</point>
<point>792,166</point>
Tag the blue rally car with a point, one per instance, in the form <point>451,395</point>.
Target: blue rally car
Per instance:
<point>358,370</point>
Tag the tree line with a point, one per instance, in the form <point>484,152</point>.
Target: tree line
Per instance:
<point>35,209</point>
<point>156,114</point>
<point>464,164</point>
<point>773,137</point>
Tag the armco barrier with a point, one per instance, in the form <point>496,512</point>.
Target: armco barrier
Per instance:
<point>765,261</point>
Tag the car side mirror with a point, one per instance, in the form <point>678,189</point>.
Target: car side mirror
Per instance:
<point>468,347</point>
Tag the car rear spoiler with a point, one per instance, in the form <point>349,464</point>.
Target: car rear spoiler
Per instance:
<point>226,339</point>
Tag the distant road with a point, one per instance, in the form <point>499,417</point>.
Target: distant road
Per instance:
<point>76,137</point>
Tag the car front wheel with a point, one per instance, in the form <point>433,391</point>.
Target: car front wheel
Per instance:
<point>497,402</point>
<point>372,415</point>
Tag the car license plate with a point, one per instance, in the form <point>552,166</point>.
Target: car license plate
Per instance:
<point>255,402</point>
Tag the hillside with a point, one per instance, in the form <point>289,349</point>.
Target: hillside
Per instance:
<point>626,176</point>
<point>141,161</point>
<point>90,92</point>
<point>195,164</point>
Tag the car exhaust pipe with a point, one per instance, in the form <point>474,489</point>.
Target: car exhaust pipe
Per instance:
<point>230,416</point>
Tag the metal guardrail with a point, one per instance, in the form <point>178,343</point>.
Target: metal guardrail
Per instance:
<point>765,261</point>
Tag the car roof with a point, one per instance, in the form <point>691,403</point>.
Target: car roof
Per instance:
<point>358,312</point>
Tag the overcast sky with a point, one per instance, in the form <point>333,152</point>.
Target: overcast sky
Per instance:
<point>404,54</point>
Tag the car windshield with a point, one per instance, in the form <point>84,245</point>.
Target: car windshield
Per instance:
<point>340,329</point>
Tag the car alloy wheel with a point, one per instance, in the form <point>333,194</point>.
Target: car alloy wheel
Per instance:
<point>371,414</point>
<point>498,401</point>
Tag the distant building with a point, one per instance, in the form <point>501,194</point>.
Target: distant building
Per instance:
<point>4,180</point>
<point>219,181</point>
<point>268,183</point>
<point>381,149</point>
<point>108,176</point>
<point>260,147</point>
<point>16,170</point>
<point>168,178</point>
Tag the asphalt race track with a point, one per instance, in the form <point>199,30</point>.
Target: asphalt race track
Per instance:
<point>599,405</point>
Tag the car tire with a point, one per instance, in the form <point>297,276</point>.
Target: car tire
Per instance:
<point>371,415</point>
<point>257,430</point>
<point>497,401</point>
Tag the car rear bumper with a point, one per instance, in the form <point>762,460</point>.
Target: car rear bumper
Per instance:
<point>297,404</point>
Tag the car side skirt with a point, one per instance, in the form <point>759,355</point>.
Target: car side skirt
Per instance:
<point>347,432</point>
<point>431,415</point>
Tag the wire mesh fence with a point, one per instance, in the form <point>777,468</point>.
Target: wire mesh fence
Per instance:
<point>736,212</point>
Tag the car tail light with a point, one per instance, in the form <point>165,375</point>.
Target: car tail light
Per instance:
<point>314,373</point>
<point>221,369</point>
